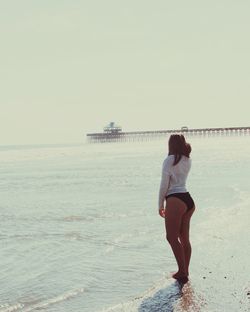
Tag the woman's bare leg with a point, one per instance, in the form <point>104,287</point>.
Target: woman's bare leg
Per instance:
<point>184,237</point>
<point>175,209</point>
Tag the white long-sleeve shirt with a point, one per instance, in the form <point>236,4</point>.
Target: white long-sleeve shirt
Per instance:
<point>173,179</point>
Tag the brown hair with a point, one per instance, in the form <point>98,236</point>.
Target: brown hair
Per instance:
<point>178,147</point>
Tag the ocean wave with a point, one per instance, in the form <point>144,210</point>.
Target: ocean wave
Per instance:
<point>77,218</point>
<point>72,235</point>
<point>31,306</point>
<point>117,241</point>
<point>160,297</point>
<point>11,308</point>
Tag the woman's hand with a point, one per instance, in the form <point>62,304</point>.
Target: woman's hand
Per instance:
<point>162,212</point>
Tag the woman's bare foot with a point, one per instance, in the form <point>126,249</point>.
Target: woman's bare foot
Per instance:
<point>180,277</point>
<point>183,280</point>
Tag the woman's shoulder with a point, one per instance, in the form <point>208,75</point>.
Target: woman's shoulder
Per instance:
<point>186,161</point>
<point>186,158</point>
<point>169,160</point>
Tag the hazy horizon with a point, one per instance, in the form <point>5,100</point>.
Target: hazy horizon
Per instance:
<point>71,67</point>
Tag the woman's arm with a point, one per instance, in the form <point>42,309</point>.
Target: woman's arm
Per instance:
<point>165,178</point>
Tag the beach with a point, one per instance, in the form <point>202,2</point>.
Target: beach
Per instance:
<point>80,230</point>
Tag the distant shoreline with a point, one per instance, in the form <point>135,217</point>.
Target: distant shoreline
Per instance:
<point>31,146</point>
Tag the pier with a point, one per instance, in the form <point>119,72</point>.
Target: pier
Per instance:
<point>113,133</point>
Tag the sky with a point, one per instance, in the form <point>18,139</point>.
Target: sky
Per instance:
<point>69,67</point>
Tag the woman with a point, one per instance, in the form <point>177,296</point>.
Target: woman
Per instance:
<point>179,204</point>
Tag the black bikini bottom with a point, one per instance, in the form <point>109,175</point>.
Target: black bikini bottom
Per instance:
<point>185,197</point>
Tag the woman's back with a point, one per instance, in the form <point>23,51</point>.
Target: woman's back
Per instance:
<point>177,173</point>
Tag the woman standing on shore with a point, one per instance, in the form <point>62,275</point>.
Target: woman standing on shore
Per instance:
<point>179,205</point>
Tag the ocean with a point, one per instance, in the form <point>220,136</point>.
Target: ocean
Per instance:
<point>80,230</point>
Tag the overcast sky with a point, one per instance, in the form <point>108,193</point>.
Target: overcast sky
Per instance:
<point>69,67</point>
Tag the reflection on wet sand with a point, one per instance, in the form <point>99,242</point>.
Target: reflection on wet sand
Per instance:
<point>176,297</point>
<point>163,300</point>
